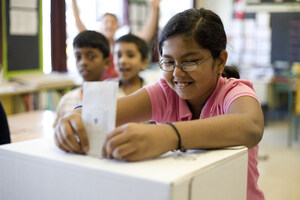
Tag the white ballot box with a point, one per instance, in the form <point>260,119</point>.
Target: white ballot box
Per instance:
<point>37,169</point>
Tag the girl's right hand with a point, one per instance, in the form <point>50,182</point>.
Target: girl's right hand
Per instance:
<point>70,134</point>
<point>138,141</point>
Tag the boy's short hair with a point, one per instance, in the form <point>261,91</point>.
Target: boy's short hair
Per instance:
<point>92,39</point>
<point>140,43</point>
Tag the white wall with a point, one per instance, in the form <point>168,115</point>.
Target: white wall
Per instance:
<point>224,8</point>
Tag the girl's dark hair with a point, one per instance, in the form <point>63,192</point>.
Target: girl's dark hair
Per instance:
<point>92,39</point>
<point>230,72</point>
<point>140,43</point>
<point>204,26</point>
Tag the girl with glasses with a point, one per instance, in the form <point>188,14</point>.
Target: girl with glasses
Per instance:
<point>194,106</point>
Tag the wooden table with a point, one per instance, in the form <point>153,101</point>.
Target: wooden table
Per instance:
<point>31,125</point>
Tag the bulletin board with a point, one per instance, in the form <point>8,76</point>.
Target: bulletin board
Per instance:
<point>285,36</point>
<point>22,36</point>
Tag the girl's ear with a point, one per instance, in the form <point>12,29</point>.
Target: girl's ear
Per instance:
<point>221,61</point>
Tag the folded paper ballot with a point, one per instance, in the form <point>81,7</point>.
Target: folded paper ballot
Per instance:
<point>99,112</point>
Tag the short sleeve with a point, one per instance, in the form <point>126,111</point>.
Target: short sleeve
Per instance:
<point>239,89</point>
<point>164,102</point>
<point>158,102</point>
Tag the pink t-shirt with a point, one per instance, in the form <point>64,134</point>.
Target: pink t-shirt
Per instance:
<point>167,106</point>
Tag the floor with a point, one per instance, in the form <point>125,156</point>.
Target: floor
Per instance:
<point>279,165</point>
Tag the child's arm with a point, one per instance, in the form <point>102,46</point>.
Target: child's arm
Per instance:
<point>79,24</point>
<point>135,107</point>
<point>243,126</point>
<point>150,27</point>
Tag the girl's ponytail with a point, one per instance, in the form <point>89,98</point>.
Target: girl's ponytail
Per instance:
<point>230,72</point>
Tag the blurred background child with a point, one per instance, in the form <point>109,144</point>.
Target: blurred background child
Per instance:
<point>91,50</point>
<point>130,57</point>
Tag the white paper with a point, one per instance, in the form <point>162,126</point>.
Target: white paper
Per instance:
<point>23,22</point>
<point>99,112</point>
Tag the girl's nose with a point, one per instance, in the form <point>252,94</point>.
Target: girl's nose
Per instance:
<point>178,72</point>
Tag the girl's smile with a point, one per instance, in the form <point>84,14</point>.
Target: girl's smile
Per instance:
<point>182,84</point>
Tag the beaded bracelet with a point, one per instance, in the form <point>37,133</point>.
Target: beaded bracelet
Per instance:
<point>180,147</point>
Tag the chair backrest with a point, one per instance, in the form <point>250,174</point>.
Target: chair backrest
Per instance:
<point>4,129</point>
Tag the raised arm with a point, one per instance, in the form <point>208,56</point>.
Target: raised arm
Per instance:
<point>151,25</point>
<point>79,24</point>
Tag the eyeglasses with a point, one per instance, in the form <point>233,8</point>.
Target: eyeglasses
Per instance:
<point>186,66</point>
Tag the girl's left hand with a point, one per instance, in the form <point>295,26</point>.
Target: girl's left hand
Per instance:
<point>135,141</point>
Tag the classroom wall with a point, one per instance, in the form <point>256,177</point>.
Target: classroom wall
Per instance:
<point>223,8</point>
